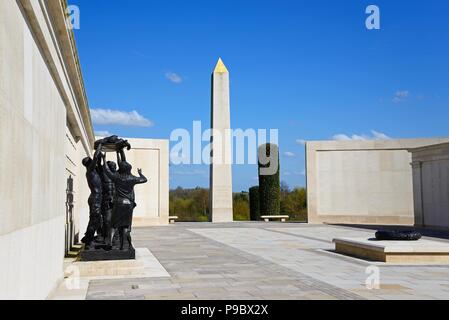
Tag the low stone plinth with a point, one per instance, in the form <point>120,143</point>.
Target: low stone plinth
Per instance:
<point>276,217</point>
<point>144,265</point>
<point>78,274</point>
<point>409,252</point>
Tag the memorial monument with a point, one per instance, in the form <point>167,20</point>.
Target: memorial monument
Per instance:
<point>111,203</point>
<point>221,153</point>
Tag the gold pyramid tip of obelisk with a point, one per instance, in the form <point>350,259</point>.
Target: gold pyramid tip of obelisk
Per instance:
<point>220,67</point>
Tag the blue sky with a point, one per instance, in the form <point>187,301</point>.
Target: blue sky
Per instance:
<point>308,68</point>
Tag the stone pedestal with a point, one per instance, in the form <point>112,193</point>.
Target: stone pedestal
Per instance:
<point>103,255</point>
<point>97,251</point>
<point>402,252</point>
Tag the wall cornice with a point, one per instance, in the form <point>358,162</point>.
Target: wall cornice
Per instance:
<point>47,21</point>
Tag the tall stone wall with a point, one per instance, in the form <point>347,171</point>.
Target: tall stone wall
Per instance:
<point>361,182</point>
<point>38,100</point>
<point>431,186</point>
<point>152,198</point>
<point>76,191</point>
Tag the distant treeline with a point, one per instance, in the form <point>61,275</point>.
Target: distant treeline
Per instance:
<point>192,205</point>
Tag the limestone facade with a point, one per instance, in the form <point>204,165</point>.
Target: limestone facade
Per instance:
<point>152,198</point>
<point>430,167</point>
<point>45,131</point>
<point>361,182</point>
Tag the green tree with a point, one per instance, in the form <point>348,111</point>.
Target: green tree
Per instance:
<point>241,206</point>
<point>254,203</point>
<point>190,205</point>
<point>294,203</point>
<point>269,184</point>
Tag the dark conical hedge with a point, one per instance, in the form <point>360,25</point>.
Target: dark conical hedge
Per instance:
<point>254,203</point>
<point>269,184</point>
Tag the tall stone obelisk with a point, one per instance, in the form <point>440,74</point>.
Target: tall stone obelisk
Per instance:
<point>221,155</point>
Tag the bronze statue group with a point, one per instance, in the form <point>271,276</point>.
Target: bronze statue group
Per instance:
<point>112,199</point>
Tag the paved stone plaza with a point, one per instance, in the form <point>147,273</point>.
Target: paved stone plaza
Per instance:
<point>265,261</point>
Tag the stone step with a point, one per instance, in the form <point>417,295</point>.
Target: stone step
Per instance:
<point>105,268</point>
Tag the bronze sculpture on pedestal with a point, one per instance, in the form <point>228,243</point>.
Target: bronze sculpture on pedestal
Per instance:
<point>108,189</point>
<point>124,199</point>
<point>95,186</point>
<point>111,203</point>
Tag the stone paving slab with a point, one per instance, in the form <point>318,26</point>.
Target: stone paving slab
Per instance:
<point>78,274</point>
<point>259,261</point>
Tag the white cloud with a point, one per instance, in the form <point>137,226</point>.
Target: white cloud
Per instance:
<point>401,95</point>
<point>341,137</point>
<point>375,135</point>
<point>301,142</point>
<point>174,77</point>
<point>103,134</point>
<point>140,54</point>
<point>294,173</point>
<point>117,117</point>
<point>380,135</point>
<point>289,154</point>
